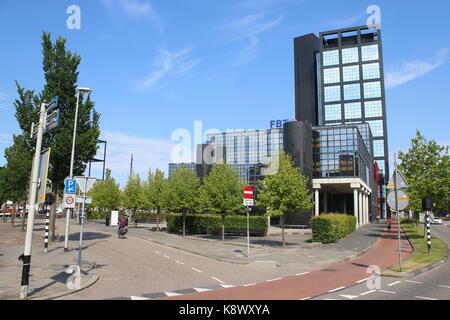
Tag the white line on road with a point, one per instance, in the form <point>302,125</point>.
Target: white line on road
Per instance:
<point>305,298</point>
<point>179,262</point>
<point>337,289</point>
<point>138,298</point>
<point>195,269</point>
<point>348,296</point>
<point>166,257</point>
<point>248,285</point>
<point>367,292</point>
<point>448,287</point>
<point>393,283</point>
<point>300,274</point>
<point>274,279</point>
<point>217,279</point>
<point>419,297</point>
<point>172,294</point>
<point>412,281</point>
<point>202,289</point>
<point>362,280</point>
<point>386,291</point>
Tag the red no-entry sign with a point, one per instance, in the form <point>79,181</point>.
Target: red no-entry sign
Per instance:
<point>248,192</point>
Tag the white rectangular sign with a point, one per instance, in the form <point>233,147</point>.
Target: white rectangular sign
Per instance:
<point>80,200</point>
<point>249,202</point>
<point>68,201</point>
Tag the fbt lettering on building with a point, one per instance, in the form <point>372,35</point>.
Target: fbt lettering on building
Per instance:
<point>279,123</point>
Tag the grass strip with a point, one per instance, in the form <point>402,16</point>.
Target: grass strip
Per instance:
<point>420,257</point>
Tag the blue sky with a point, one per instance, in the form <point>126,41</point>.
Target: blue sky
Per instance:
<point>156,66</point>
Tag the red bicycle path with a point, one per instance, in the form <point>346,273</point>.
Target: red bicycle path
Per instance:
<point>384,254</point>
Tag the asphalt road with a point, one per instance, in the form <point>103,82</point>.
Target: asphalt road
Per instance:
<point>432,285</point>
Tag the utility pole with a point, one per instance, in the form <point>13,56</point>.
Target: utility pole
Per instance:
<point>398,213</point>
<point>131,166</point>
<point>26,257</point>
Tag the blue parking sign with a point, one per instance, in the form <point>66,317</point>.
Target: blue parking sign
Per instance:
<point>71,186</point>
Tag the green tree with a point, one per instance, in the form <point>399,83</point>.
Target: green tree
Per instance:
<point>18,165</point>
<point>221,192</point>
<point>154,191</point>
<point>426,167</point>
<point>286,191</point>
<point>133,195</point>
<point>182,192</point>
<point>60,68</point>
<point>106,194</point>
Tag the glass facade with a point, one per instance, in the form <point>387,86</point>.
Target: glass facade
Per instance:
<point>331,75</point>
<point>350,73</point>
<point>333,112</point>
<point>174,166</point>
<point>332,93</point>
<point>330,58</point>
<point>352,91</point>
<point>371,71</point>
<point>340,151</point>
<point>373,109</point>
<point>353,110</point>
<point>372,90</point>
<point>377,127</point>
<point>369,53</point>
<point>350,55</point>
<point>245,149</point>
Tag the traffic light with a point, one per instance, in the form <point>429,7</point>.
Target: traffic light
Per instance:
<point>49,199</point>
<point>427,203</point>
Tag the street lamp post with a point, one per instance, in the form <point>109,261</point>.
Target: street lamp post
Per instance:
<point>72,157</point>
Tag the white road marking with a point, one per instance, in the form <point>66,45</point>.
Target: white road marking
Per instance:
<point>274,279</point>
<point>367,292</point>
<point>444,286</point>
<point>337,289</point>
<point>227,285</point>
<point>300,274</point>
<point>138,298</point>
<point>385,291</point>
<point>412,281</point>
<point>305,298</point>
<point>217,279</point>
<point>172,294</point>
<point>157,252</point>
<point>330,299</point>
<point>202,289</point>
<point>362,280</point>
<point>179,262</point>
<point>393,283</point>
<point>419,297</point>
<point>165,256</point>
<point>348,296</point>
<point>195,269</point>
<point>248,285</point>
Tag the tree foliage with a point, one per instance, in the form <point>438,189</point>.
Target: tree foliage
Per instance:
<point>426,167</point>
<point>106,194</point>
<point>133,194</point>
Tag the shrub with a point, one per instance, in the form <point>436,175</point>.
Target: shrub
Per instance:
<point>329,228</point>
<point>212,224</point>
<point>409,221</point>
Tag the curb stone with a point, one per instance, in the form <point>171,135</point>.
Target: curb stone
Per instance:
<point>417,272</point>
<point>93,279</point>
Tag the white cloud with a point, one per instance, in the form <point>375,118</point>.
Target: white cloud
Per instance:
<point>247,31</point>
<point>138,9</point>
<point>410,70</point>
<point>4,97</point>
<point>147,153</point>
<point>169,63</point>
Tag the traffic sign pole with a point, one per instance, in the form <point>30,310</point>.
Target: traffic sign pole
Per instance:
<point>398,214</point>
<point>26,257</point>
<point>248,198</point>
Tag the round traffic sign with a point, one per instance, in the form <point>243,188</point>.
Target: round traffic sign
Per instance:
<point>248,192</point>
<point>403,200</point>
<point>70,200</point>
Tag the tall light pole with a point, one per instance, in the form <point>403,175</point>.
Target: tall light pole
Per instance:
<point>72,157</point>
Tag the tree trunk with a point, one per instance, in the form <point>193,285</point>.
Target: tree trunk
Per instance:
<point>13,213</point>
<point>184,224</point>
<point>282,230</point>
<point>223,227</point>
<point>24,215</point>
<point>4,211</point>
<point>157,220</point>
<point>52,237</point>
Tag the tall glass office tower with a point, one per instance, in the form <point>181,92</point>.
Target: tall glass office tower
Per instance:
<point>340,80</point>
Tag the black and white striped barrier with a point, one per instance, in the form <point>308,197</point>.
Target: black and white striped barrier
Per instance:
<point>47,223</point>
<point>428,233</point>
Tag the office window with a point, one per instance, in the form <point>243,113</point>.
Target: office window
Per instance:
<point>332,93</point>
<point>352,92</point>
<point>371,71</point>
<point>377,127</point>
<point>352,110</point>
<point>378,148</point>
<point>350,73</point>
<point>381,165</point>
<point>332,112</point>
<point>350,55</point>
<point>369,53</point>
<point>373,109</point>
<point>330,58</point>
<point>331,75</point>
<point>372,90</point>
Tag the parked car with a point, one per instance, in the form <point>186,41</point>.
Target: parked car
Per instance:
<point>435,220</point>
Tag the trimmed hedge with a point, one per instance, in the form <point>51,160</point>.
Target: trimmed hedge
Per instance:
<point>212,224</point>
<point>329,228</point>
<point>409,221</point>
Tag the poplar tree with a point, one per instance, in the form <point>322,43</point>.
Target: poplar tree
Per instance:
<point>155,188</point>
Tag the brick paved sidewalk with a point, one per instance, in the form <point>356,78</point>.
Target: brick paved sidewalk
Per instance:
<point>47,276</point>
